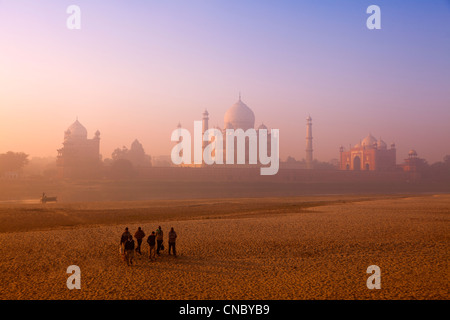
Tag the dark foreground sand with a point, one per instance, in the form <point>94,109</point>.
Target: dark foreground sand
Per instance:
<point>310,248</point>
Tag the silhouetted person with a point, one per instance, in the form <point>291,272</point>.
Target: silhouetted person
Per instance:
<point>151,240</point>
<point>159,240</point>
<point>139,235</point>
<point>172,238</point>
<point>123,238</point>
<point>129,250</point>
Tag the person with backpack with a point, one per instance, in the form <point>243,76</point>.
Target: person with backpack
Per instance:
<point>151,240</point>
<point>159,240</point>
<point>129,250</point>
<point>172,238</point>
<point>139,235</point>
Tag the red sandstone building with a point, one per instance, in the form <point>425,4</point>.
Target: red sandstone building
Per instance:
<point>369,155</point>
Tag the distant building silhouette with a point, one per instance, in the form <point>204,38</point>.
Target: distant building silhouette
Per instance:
<point>412,165</point>
<point>79,157</point>
<point>136,155</point>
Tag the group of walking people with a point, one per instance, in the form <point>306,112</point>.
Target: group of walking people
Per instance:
<point>155,242</point>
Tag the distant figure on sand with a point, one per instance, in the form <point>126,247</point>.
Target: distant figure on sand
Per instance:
<point>159,240</point>
<point>139,235</point>
<point>172,238</point>
<point>129,250</point>
<point>151,240</point>
<point>123,238</point>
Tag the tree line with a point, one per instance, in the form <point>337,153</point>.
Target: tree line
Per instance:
<point>12,161</point>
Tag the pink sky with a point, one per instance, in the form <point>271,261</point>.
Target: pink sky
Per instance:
<point>136,71</point>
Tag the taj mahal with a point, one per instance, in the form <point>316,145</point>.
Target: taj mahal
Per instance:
<point>238,116</point>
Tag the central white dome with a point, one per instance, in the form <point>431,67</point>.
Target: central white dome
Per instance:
<point>239,116</point>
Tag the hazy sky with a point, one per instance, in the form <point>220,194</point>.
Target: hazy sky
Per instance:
<point>137,68</point>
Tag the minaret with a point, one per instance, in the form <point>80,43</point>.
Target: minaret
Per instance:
<point>204,129</point>
<point>309,145</point>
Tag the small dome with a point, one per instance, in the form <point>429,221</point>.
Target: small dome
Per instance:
<point>76,130</point>
<point>381,144</point>
<point>369,141</point>
<point>239,116</point>
<point>412,152</point>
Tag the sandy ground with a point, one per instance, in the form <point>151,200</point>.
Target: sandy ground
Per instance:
<point>306,249</point>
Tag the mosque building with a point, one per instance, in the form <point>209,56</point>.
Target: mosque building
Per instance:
<point>369,155</point>
<point>79,157</point>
